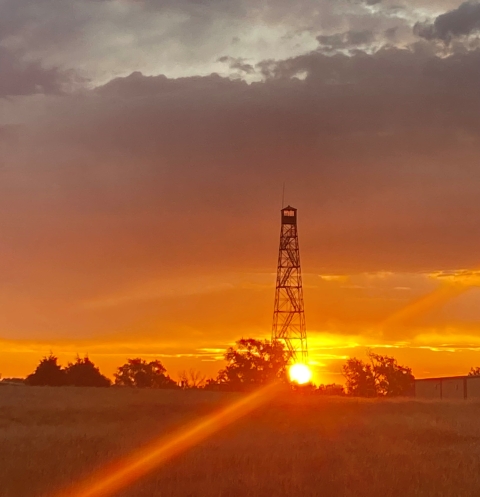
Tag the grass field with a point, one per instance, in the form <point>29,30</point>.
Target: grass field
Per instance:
<point>294,446</point>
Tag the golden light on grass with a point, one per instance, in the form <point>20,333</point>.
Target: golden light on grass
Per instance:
<point>284,450</point>
<point>300,374</point>
<point>109,480</point>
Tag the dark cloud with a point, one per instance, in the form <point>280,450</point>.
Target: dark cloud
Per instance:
<point>146,180</point>
<point>44,23</point>
<point>19,77</point>
<point>381,153</point>
<point>391,33</point>
<point>237,64</point>
<point>138,85</point>
<point>462,21</point>
<point>349,39</point>
<point>391,72</point>
<point>24,27</point>
<point>102,38</point>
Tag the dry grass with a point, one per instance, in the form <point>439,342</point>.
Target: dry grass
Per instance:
<point>296,446</point>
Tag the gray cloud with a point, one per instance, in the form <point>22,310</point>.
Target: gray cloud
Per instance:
<point>107,38</point>
<point>371,145</point>
<point>237,64</point>
<point>348,39</point>
<point>148,178</point>
<point>19,77</point>
<point>459,22</point>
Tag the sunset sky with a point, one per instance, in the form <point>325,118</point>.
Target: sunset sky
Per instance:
<point>143,148</point>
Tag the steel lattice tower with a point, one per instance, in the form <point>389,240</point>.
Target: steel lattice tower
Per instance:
<point>289,315</point>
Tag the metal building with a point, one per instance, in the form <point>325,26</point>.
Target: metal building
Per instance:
<point>288,315</point>
<point>448,388</point>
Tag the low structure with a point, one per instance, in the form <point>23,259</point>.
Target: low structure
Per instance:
<point>452,388</point>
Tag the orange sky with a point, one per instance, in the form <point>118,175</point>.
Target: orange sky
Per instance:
<point>143,148</point>
<point>189,322</point>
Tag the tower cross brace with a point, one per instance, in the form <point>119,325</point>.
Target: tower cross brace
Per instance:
<point>289,315</point>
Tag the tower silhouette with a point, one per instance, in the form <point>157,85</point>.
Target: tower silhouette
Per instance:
<point>289,315</point>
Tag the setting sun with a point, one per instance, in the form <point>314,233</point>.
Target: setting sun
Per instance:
<point>300,373</point>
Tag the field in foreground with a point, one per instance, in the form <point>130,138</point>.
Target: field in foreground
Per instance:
<point>294,446</point>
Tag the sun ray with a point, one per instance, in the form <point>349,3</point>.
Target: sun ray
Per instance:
<point>439,297</point>
<point>107,481</point>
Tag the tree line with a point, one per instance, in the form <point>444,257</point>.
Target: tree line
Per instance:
<point>250,364</point>
<point>84,373</point>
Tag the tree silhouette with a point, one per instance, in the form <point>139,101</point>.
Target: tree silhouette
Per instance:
<point>84,373</point>
<point>192,379</point>
<point>332,389</point>
<point>391,379</point>
<point>141,374</point>
<point>360,380</point>
<point>252,363</point>
<point>383,376</point>
<point>474,371</point>
<point>47,373</point>
<point>213,384</point>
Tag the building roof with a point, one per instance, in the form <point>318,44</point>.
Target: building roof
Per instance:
<point>447,378</point>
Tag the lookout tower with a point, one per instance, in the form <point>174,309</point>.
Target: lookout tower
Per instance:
<point>289,315</point>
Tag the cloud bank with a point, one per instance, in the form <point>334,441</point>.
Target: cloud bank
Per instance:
<point>463,21</point>
<point>124,188</point>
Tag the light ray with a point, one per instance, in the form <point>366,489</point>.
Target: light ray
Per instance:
<point>126,471</point>
<point>437,298</point>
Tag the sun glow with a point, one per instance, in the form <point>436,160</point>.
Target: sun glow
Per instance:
<point>300,373</point>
